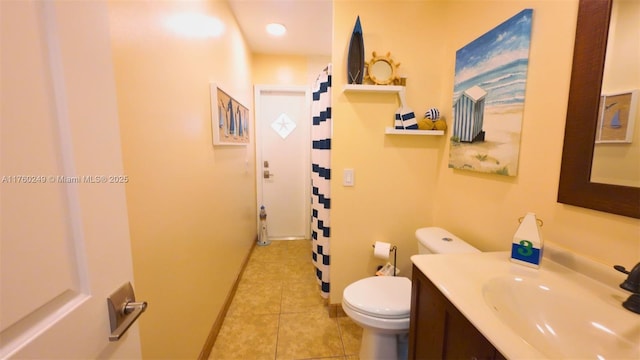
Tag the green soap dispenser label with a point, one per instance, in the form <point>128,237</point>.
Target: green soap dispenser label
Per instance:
<point>524,251</point>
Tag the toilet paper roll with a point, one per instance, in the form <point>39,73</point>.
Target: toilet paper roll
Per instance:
<point>381,249</point>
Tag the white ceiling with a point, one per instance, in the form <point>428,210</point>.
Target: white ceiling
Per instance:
<point>308,23</point>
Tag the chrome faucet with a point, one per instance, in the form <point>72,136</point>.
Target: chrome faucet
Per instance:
<point>632,283</point>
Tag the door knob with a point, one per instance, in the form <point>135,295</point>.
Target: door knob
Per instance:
<point>266,174</point>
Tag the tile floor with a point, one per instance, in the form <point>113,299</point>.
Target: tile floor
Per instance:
<point>277,311</point>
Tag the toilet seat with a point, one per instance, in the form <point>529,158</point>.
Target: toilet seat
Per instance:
<point>384,297</point>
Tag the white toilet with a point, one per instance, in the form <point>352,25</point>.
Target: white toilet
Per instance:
<point>381,304</point>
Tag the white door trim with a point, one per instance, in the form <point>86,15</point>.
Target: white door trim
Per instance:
<point>258,90</point>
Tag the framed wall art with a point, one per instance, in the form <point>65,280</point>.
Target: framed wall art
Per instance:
<point>229,119</point>
<point>489,98</point>
<point>617,117</point>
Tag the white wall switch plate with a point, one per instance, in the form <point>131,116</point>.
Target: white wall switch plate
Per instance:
<point>348,178</point>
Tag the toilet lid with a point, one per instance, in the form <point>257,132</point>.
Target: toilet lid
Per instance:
<point>380,296</point>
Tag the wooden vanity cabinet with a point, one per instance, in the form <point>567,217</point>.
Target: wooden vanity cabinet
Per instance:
<point>438,330</point>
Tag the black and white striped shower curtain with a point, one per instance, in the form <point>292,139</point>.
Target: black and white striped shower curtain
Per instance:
<point>321,176</point>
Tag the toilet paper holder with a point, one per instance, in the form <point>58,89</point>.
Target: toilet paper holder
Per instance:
<point>395,253</point>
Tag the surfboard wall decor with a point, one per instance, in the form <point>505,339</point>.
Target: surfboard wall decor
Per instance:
<point>355,59</point>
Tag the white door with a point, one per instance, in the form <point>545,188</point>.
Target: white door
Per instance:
<point>64,245</point>
<point>283,143</point>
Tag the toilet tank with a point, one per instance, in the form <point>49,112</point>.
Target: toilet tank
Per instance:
<point>435,240</point>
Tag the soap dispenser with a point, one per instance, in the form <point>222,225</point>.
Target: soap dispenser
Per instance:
<point>527,245</point>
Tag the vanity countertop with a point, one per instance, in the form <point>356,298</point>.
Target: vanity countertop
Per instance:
<point>569,308</point>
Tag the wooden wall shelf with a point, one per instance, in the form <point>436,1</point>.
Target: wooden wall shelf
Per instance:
<point>373,88</point>
<point>392,131</point>
<point>391,89</point>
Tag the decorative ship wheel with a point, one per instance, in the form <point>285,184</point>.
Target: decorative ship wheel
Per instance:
<point>382,70</point>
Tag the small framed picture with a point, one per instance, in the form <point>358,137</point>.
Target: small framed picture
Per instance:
<point>617,117</point>
<point>229,119</point>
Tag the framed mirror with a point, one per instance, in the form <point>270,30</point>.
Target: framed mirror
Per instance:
<point>575,185</point>
<point>382,70</point>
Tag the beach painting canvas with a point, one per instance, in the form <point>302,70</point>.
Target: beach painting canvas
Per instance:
<point>488,98</point>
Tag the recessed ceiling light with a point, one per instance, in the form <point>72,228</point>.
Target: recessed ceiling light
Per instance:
<point>276,29</point>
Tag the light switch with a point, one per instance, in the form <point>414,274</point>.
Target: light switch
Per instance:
<point>348,178</point>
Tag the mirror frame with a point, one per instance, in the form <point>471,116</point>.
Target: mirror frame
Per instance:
<point>392,66</point>
<point>575,186</point>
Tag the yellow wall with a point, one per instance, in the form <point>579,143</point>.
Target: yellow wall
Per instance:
<point>191,206</point>
<point>395,176</point>
<point>405,183</point>
<point>271,69</point>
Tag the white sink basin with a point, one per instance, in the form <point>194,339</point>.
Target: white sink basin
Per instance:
<point>563,320</point>
<point>554,312</point>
